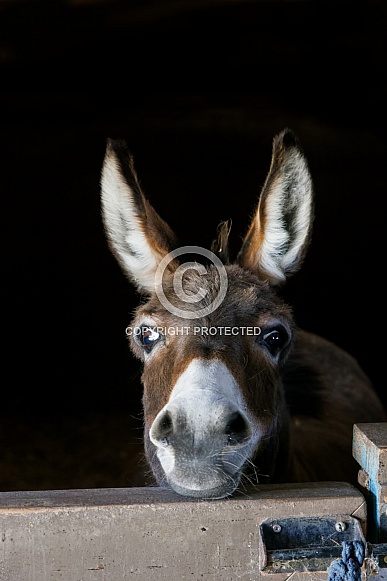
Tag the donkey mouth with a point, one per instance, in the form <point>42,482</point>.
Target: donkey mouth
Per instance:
<point>218,492</point>
<point>199,479</point>
<point>206,473</point>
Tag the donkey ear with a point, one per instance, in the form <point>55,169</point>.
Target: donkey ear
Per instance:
<point>279,234</point>
<point>137,236</point>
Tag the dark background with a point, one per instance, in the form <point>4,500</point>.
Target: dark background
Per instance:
<point>198,90</point>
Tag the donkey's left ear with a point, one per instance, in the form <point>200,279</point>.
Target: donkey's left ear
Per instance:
<point>137,235</point>
<point>275,244</point>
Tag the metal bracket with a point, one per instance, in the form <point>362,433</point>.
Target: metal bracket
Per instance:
<point>305,544</point>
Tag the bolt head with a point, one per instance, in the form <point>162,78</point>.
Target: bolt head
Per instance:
<point>340,526</point>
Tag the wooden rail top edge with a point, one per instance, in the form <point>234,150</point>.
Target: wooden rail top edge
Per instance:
<point>158,495</point>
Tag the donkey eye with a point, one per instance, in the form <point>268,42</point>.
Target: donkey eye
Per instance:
<point>148,337</point>
<point>275,340</point>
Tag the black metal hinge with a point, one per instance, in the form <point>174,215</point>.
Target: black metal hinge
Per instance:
<point>305,544</point>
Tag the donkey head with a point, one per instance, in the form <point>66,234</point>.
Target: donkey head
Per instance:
<point>212,336</point>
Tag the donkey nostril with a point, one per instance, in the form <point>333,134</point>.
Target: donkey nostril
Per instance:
<point>162,428</point>
<point>237,429</point>
<point>236,424</point>
<point>166,424</point>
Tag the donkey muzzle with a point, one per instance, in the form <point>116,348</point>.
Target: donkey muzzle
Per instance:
<point>204,435</point>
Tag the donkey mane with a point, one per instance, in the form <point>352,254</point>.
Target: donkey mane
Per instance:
<point>234,390</point>
<point>220,244</point>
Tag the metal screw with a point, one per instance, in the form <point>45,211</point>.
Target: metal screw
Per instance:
<point>340,526</point>
<point>277,528</point>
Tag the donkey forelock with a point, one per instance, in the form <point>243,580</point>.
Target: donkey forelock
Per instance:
<point>226,373</point>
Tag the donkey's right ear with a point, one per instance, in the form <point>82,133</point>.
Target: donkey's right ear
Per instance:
<point>137,236</point>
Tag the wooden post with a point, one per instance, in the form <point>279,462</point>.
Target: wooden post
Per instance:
<point>370,451</point>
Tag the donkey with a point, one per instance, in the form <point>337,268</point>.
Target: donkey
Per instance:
<point>234,392</point>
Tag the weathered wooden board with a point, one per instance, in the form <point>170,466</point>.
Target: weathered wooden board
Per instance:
<point>369,448</point>
<point>150,534</point>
